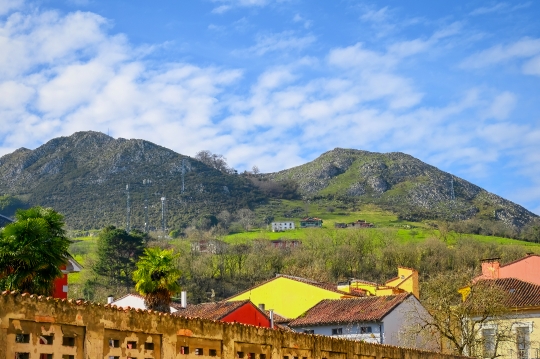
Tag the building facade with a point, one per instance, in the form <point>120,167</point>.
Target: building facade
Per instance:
<point>282,226</point>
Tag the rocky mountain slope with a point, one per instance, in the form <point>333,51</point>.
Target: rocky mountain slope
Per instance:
<point>401,183</point>
<point>84,176</point>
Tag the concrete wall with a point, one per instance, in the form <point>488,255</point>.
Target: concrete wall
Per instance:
<point>349,331</point>
<point>82,330</point>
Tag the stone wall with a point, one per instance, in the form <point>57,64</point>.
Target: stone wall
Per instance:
<point>44,328</point>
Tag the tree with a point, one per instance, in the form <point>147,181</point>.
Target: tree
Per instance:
<point>117,254</point>
<point>255,170</point>
<point>32,250</point>
<point>459,322</point>
<point>157,278</point>
<point>246,218</point>
<point>214,160</point>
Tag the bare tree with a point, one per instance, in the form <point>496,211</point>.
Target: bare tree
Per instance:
<point>246,218</point>
<point>464,323</point>
<point>255,170</point>
<point>214,160</point>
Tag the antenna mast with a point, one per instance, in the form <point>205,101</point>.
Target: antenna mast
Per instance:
<point>452,194</point>
<point>128,214</point>
<point>163,215</point>
<point>146,183</point>
<point>184,165</point>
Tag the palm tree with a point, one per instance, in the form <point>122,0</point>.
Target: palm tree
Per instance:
<point>156,278</point>
<point>32,250</point>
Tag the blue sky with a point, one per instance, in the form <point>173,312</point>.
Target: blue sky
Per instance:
<point>275,83</point>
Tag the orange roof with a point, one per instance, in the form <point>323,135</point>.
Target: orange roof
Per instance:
<point>336,311</point>
<point>214,311</point>
<point>519,293</point>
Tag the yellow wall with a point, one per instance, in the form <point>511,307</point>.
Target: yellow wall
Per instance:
<point>287,297</point>
<point>407,280</point>
<point>508,349</point>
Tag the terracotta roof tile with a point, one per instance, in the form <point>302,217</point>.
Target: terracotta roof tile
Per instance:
<point>278,319</point>
<point>520,293</point>
<point>214,311</point>
<point>334,311</point>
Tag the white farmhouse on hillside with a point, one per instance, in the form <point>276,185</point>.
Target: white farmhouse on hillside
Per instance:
<point>282,226</point>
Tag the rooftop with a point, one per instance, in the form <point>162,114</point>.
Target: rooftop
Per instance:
<point>353,310</point>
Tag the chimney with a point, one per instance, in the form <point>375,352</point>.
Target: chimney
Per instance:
<point>271,318</point>
<point>110,299</point>
<point>490,268</point>
<point>183,299</point>
<point>261,307</point>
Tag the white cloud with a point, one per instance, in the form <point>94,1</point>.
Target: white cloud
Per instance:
<point>280,42</point>
<point>525,48</point>
<point>231,4</point>
<point>501,7</point>
<point>9,5</point>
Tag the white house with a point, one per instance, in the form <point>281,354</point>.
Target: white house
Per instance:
<point>282,226</point>
<point>384,320</point>
<point>132,300</point>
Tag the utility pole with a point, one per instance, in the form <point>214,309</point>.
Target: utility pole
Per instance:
<point>146,183</point>
<point>128,214</point>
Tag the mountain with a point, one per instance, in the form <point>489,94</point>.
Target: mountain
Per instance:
<point>84,176</point>
<point>402,184</point>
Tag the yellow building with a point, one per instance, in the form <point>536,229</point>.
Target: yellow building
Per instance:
<point>515,333</point>
<point>291,296</point>
<point>405,282</point>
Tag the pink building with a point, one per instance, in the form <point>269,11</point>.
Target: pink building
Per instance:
<point>526,269</point>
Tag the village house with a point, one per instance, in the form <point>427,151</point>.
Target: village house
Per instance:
<point>311,222</point>
<point>405,282</point>
<point>282,226</point>
<point>526,268</point>
<point>243,312</point>
<point>384,320</point>
<point>285,243</point>
<point>514,333</point>
<point>291,296</point>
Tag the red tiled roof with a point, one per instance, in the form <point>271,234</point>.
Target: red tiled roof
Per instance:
<point>332,311</point>
<point>278,318</point>
<point>519,293</point>
<point>214,311</point>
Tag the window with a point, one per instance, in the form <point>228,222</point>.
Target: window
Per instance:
<point>239,354</point>
<point>22,355</point>
<point>212,353</point>
<point>285,357</point>
<point>309,331</point>
<point>22,338</point>
<point>68,341</point>
<point>67,356</point>
<point>488,334</point>
<point>262,356</point>
<point>149,346</point>
<point>365,330</point>
<point>184,350</point>
<point>114,357</point>
<point>337,331</point>
<point>46,339</point>
<point>198,351</point>
<point>131,345</point>
<point>45,356</point>
<point>523,342</point>
<point>114,343</point>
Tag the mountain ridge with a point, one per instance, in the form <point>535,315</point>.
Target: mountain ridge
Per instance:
<point>84,176</point>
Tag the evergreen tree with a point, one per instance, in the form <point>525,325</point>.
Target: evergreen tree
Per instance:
<point>32,250</point>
